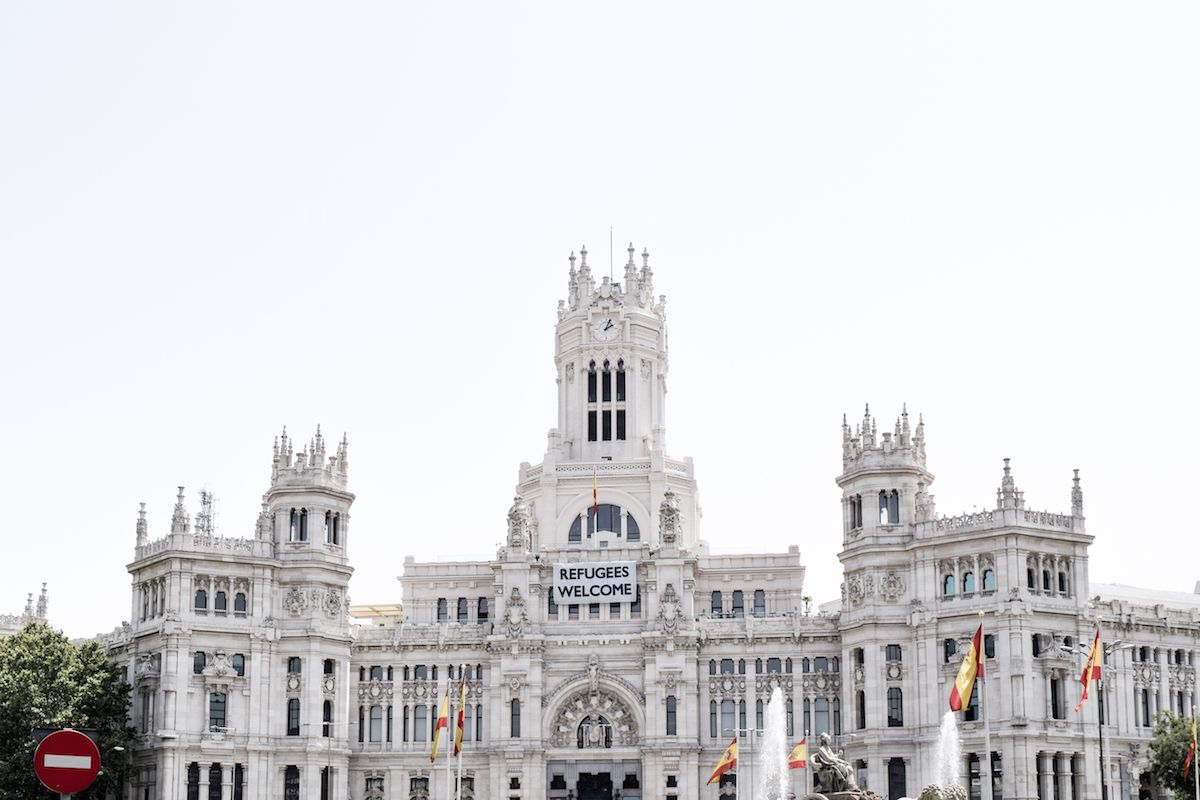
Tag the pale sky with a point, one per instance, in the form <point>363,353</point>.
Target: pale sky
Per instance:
<point>220,218</point>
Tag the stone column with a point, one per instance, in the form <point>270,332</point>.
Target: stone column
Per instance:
<point>1045,769</point>
<point>204,768</point>
<point>1062,774</point>
<point>226,782</point>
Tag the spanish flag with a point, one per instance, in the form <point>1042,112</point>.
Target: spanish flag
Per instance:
<point>443,721</point>
<point>728,762</point>
<point>798,758</point>
<point>595,498</point>
<point>1091,670</point>
<point>1191,750</point>
<point>462,711</point>
<point>972,667</point>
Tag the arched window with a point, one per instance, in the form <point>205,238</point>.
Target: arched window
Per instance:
<point>837,716</point>
<point>594,731</point>
<point>293,526</point>
<point>201,600</point>
<point>1046,586</point>
<point>606,517</point>
<point>989,580</point>
<point>889,507</point>
<point>419,714</point>
<point>145,603</point>
<point>327,718</point>
<point>632,532</point>
<point>895,701</point>
<point>856,512</point>
<point>337,528</point>
<point>968,583</point>
<point>712,666</point>
<point>293,716</point>
<point>1030,579</point>
<point>220,602</point>
<point>1062,583</point>
<point>593,398</point>
<point>375,732</point>
<point>948,585</point>
<point>239,604</point>
<point>304,524</point>
<point>389,672</point>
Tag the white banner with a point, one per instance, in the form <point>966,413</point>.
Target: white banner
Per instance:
<point>605,581</point>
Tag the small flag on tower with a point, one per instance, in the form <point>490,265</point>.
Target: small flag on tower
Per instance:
<point>443,721</point>
<point>798,758</point>
<point>728,762</point>
<point>972,667</point>
<point>1091,670</point>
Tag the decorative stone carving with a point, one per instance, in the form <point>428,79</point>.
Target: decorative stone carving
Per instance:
<point>518,526</point>
<point>645,369</point>
<point>571,373</point>
<point>669,527</point>
<point>514,685</point>
<point>328,684</point>
<point>333,603</point>
<point>599,715</point>
<point>219,666</point>
<point>516,617</point>
<point>669,614</point>
<point>295,601</point>
<point>375,691</point>
<point>859,587</point>
<point>891,587</point>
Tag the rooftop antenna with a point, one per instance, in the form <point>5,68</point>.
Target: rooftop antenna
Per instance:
<point>610,272</point>
<point>207,515</point>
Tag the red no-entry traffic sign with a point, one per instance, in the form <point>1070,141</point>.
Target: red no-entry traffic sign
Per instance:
<point>67,761</point>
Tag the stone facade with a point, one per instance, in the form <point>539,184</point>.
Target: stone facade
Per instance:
<point>637,697</point>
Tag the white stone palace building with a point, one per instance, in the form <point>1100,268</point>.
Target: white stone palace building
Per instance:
<point>249,679</point>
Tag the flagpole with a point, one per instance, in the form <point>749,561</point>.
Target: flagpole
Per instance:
<point>986,764</point>
<point>462,673</point>
<point>1195,768</point>
<point>450,749</point>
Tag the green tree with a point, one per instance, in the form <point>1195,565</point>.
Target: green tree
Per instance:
<point>1168,751</point>
<point>47,682</point>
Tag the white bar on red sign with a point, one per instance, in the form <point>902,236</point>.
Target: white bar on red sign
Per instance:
<point>67,762</point>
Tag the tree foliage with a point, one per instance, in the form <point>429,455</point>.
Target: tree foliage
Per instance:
<point>47,682</point>
<point>1168,751</point>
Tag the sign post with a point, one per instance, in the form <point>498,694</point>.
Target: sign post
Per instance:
<point>67,762</point>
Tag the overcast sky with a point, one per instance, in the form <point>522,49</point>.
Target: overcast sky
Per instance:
<point>220,218</point>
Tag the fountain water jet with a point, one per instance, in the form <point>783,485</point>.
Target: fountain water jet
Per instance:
<point>949,758</point>
<point>773,777</point>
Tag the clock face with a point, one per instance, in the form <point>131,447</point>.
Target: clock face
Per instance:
<point>605,329</point>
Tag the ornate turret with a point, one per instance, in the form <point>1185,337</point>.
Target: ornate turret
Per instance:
<point>143,528</point>
<point>42,603</point>
<point>307,506</point>
<point>289,467</point>
<point>1008,496</point>
<point>884,480</point>
<point>1076,496</point>
<point>179,517</point>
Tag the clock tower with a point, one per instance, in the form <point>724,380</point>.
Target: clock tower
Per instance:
<point>611,356</point>
<point>605,474</point>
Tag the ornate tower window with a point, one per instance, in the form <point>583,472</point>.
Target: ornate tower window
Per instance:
<point>606,407</point>
<point>611,518</point>
<point>594,732</point>
<point>889,507</point>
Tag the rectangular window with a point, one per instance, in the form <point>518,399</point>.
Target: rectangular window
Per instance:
<point>606,385</point>
<point>614,610</point>
<point>606,423</point>
<point>591,426</point>
<point>897,779</point>
<point>974,785</point>
<point>760,603</point>
<point>895,702</point>
<point>593,611</point>
<point>893,652</point>
<point>1058,708</point>
<point>573,611</point>
<point>216,711</point>
<point>514,722</point>
<point>620,424</point>
<point>989,645</point>
<point>620,384</point>
<point>716,605</point>
<point>293,716</point>
<point>239,781</point>
<point>591,388</point>
<point>739,609</point>
<point>712,719</point>
<point>291,782</point>
<point>728,717</point>
<point>671,715</point>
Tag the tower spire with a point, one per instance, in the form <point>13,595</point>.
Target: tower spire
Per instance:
<point>179,517</point>
<point>143,532</point>
<point>1076,496</point>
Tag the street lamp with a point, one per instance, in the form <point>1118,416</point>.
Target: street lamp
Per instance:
<point>1107,651</point>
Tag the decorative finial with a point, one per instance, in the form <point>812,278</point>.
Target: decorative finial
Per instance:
<point>645,258</point>
<point>571,258</point>
<point>630,251</point>
<point>583,257</point>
